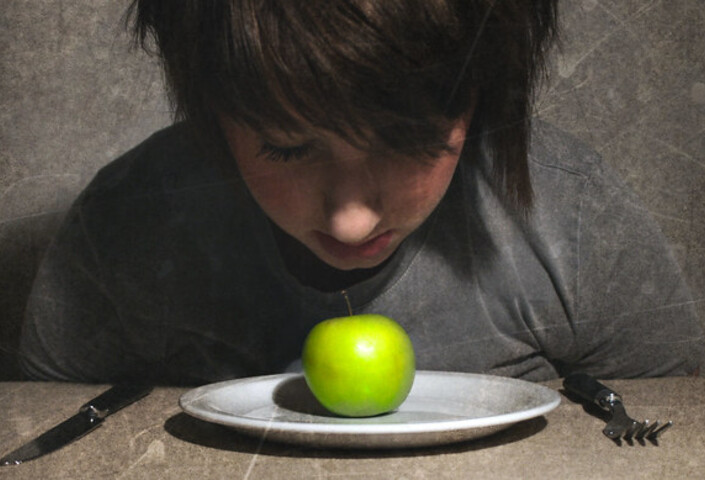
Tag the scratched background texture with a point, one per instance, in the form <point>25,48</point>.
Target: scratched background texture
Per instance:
<point>629,79</point>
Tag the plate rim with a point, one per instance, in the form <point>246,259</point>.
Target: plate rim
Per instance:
<point>188,399</point>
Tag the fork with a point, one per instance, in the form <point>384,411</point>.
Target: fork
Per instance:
<point>621,425</point>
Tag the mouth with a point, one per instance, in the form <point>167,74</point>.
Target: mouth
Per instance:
<point>366,250</point>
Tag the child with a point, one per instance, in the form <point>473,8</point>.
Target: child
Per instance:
<point>379,151</point>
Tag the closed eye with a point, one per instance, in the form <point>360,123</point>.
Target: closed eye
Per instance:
<point>284,154</point>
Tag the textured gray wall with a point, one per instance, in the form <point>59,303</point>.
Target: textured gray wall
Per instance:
<point>630,81</point>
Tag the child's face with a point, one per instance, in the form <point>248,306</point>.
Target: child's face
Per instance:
<point>352,208</point>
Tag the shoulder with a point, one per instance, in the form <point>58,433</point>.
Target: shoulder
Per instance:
<point>554,149</point>
<point>136,193</point>
<point>167,173</point>
<point>164,193</point>
<point>567,171</point>
<point>165,157</point>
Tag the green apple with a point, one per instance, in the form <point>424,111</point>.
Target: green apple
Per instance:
<point>359,366</point>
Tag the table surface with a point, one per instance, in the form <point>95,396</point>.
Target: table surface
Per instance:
<point>155,439</point>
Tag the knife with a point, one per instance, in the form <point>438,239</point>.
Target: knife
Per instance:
<point>89,417</point>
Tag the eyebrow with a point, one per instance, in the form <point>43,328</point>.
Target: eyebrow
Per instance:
<point>280,133</point>
<point>287,141</point>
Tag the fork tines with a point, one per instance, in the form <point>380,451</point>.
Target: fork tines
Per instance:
<point>653,430</point>
<point>640,431</point>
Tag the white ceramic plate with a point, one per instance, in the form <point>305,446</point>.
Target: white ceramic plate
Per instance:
<point>442,407</point>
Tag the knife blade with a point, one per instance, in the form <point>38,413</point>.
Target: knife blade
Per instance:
<point>89,417</point>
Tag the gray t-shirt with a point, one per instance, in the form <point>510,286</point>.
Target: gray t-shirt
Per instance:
<point>167,271</point>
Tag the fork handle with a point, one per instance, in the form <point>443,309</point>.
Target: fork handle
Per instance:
<point>587,388</point>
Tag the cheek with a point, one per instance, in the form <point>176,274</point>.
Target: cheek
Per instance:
<point>275,187</point>
<point>268,188</point>
<point>278,188</point>
<point>279,194</point>
<point>441,177</point>
<point>424,187</point>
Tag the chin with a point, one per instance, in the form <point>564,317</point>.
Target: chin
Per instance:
<point>349,264</point>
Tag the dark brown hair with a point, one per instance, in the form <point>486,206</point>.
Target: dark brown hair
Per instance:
<point>400,69</point>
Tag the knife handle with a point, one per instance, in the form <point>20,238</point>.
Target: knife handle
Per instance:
<point>587,388</point>
<point>114,399</point>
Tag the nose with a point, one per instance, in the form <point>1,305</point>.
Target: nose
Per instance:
<point>352,204</point>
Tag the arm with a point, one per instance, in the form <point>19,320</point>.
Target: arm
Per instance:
<point>635,315</point>
<point>71,329</point>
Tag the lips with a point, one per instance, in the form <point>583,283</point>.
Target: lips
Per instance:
<point>366,250</point>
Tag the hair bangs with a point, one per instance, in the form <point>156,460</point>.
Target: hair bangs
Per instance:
<point>295,64</point>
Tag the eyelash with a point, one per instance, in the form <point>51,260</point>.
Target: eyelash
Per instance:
<point>284,154</point>
<point>288,154</point>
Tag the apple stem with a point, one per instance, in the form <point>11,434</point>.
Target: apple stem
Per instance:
<point>347,301</point>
